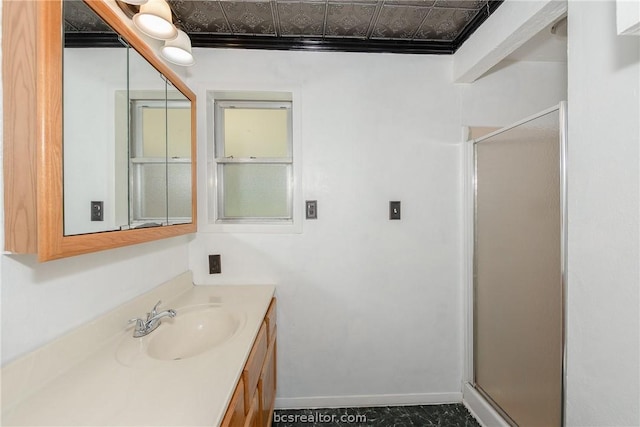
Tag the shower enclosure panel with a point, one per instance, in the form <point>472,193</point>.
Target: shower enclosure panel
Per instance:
<point>519,269</point>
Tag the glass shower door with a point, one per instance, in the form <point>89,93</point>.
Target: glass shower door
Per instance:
<point>518,270</point>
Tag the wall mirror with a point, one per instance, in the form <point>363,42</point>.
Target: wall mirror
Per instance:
<point>109,134</point>
<point>127,133</point>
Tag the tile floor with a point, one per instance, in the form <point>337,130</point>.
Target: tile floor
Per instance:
<point>453,415</point>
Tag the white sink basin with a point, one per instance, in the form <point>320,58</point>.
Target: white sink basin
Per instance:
<point>195,330</point>
<point>191,333</point>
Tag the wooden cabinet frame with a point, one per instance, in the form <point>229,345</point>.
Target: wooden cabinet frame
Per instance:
<point>253,401</point>
<point>32,82</point>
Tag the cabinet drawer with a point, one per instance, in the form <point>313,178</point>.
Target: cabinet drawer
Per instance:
<point>235,412</point>
<point>270,318</point>
<point>251,373</point>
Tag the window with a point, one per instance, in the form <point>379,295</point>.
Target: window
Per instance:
<point>160,156</point>
<point>253,161</point>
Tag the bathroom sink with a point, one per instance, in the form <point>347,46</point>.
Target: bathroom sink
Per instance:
<point>194,331</point>
<point>191,333</point>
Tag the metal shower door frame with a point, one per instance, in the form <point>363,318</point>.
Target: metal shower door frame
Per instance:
<point>562,116</point>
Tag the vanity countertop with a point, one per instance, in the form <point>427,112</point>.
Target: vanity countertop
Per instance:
<point>83,379</point>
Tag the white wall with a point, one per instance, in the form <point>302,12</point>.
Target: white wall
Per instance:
<point>41,301</point>
<point>512,91</point>
<point>91,78</point>
<point>368,306</point>
<point>603,377</point>
<point>371,310</point>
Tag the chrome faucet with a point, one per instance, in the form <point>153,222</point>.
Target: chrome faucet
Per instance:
<point>145,327</point>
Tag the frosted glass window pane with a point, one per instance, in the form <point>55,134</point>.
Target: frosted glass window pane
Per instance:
<point>179,191</point>
<point>153,197</point>
<point>256,190</point>
<point>178,133</point>
<point>256,133</point>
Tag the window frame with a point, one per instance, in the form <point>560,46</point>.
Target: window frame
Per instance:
<point>220,161</point>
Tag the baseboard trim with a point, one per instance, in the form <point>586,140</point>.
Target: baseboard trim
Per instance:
<point>315,402</point>
<point>480,408</point>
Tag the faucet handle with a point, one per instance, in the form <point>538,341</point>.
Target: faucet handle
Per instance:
<point>139,323</point>
<point>155,308</point>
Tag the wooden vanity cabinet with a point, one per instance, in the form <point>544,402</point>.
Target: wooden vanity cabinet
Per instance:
<point>267,382</point>
<point>253,367</point>
<point>253,416</point>
<point>234,417</point>
<point>253,400</point>
<point>267,385</point>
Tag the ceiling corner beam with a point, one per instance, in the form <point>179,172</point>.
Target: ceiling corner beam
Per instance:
<point>508,28</point>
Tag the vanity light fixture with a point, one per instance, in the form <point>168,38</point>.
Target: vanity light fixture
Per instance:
<point>178,50</point>
<point>154,20</point>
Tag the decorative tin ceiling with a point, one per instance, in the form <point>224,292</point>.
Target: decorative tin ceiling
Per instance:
<point>402,26</point>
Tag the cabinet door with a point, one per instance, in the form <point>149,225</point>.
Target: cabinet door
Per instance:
<point>253,416</point>
<point>234,416</point>
<point>267,384</point>
<point>254,365</point>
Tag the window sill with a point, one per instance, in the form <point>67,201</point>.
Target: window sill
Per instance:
<point>290,227</point>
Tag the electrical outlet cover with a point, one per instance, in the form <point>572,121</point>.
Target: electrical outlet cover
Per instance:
<point>215,264</point>
<point>97,208</point>
<point>312,209</point>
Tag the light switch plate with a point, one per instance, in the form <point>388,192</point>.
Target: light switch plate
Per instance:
<point>394,210</point>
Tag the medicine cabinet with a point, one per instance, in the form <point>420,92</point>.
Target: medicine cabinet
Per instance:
<point>99,141</point>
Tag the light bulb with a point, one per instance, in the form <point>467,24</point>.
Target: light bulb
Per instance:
<point>154,20</point>
<point>178,50</point>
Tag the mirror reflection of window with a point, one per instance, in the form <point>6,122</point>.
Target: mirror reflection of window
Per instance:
<point>161,162</point>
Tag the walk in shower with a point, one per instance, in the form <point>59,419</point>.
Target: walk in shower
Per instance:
<point>519,269</point>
